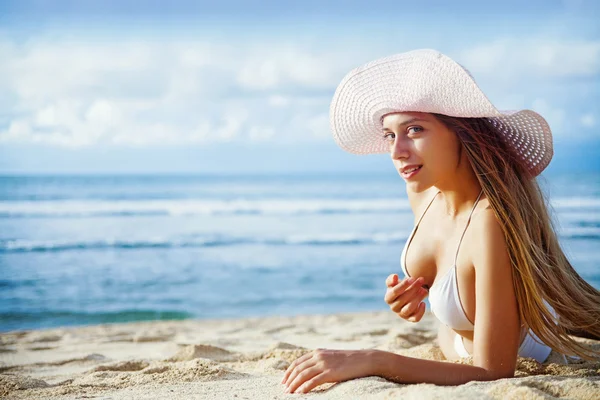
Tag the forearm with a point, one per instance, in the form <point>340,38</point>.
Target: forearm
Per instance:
<point>401,369</point>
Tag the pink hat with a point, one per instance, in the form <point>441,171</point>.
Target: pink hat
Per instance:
<point>427,81</point>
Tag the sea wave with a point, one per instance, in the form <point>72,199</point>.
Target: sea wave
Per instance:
<point>580,232</point>
<point>100,208</point>
<point>74,209</point>
<point>10,246</point>
<point>561,203</point>
<point>335,239</point>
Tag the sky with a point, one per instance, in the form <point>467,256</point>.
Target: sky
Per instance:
<point>245,86</point>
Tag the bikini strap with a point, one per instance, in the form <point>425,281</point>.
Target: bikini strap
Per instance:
<point>427,208</point>
<point>412,234</point>
<point>466,226</point>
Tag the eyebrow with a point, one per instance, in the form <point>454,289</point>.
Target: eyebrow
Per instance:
<point>410,121</point>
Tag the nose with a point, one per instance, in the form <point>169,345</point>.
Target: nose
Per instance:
<point>399,149</point>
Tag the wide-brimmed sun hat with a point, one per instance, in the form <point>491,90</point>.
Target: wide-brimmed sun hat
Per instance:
<point>427,81</point>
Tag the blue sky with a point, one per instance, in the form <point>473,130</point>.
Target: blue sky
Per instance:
<point>230,87</point>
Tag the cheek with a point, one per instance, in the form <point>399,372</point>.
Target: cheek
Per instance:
<point>438,154</point>
<point>430,149</point>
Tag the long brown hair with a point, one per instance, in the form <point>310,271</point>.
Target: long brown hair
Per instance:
<point>541,271</point>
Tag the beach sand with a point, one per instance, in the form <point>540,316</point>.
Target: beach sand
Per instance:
<point>246,359</point>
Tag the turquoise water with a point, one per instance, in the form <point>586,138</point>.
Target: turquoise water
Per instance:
<point>87,250</point>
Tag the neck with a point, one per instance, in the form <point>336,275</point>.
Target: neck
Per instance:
<point>460,192</point>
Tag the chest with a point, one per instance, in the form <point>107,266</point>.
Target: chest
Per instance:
<point>434,248</point>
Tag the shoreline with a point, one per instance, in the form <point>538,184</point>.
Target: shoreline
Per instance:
<point>245,358</point>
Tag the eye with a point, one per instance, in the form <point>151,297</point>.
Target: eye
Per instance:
<point>414,129</point>
<point>388,135</point>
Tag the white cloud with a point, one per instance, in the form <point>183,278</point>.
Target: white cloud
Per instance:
<point>552,77</point>
<point>319,125</point>
<point>555,116</point>
<point>588,120</point>
<point>18,129</point>
<point>141,92</point>
<point>46,117</point>
<point>560,120</point>
<point>525,58</point>
<point>134,92</point>
<point>279,101</point>
<point>259,134</point>
<point>232,125</point>
<point>268,68</point>
<point>103,113</point>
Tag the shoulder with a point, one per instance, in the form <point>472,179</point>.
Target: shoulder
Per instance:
<point>485,223</point>
<point>488,236</point>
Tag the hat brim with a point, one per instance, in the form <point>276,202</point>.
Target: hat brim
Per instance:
<point>426,81</point>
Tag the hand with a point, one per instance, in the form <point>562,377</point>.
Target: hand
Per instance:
<point>326,366</point>
<point>406,298</point>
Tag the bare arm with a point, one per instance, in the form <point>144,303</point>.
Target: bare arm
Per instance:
<point>495,341</point>
<point>496,336</point>
<point>401,369</point>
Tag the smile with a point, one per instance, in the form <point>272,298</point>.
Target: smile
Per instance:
<point>409,173</point>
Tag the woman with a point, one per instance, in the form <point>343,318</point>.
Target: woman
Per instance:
<point>483,247</point>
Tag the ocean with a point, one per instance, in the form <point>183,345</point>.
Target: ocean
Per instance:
<point>77,250</point>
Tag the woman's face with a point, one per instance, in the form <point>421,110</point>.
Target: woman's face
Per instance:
<point>424,151</point>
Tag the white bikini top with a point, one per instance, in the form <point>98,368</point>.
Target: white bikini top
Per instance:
<point>443,293</point>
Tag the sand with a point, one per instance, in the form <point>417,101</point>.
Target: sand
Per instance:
<point>246,359</point>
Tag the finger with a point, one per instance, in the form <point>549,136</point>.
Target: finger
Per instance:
<point>389,296</point>
<point>408,284</point>
<point>414,294</point>
<point>313,383</point>
<point>303,377</point>
<point>402,284</point>
<point>300,368</point>
<point>411,306</point>
<point>391,280</point>
<point>416,317</point>
<point>294,364</point>
<point>401,299</point>
<point>405,285</point>
<point>392,293</point>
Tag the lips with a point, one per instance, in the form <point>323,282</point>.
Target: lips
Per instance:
<point>410,170</point>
